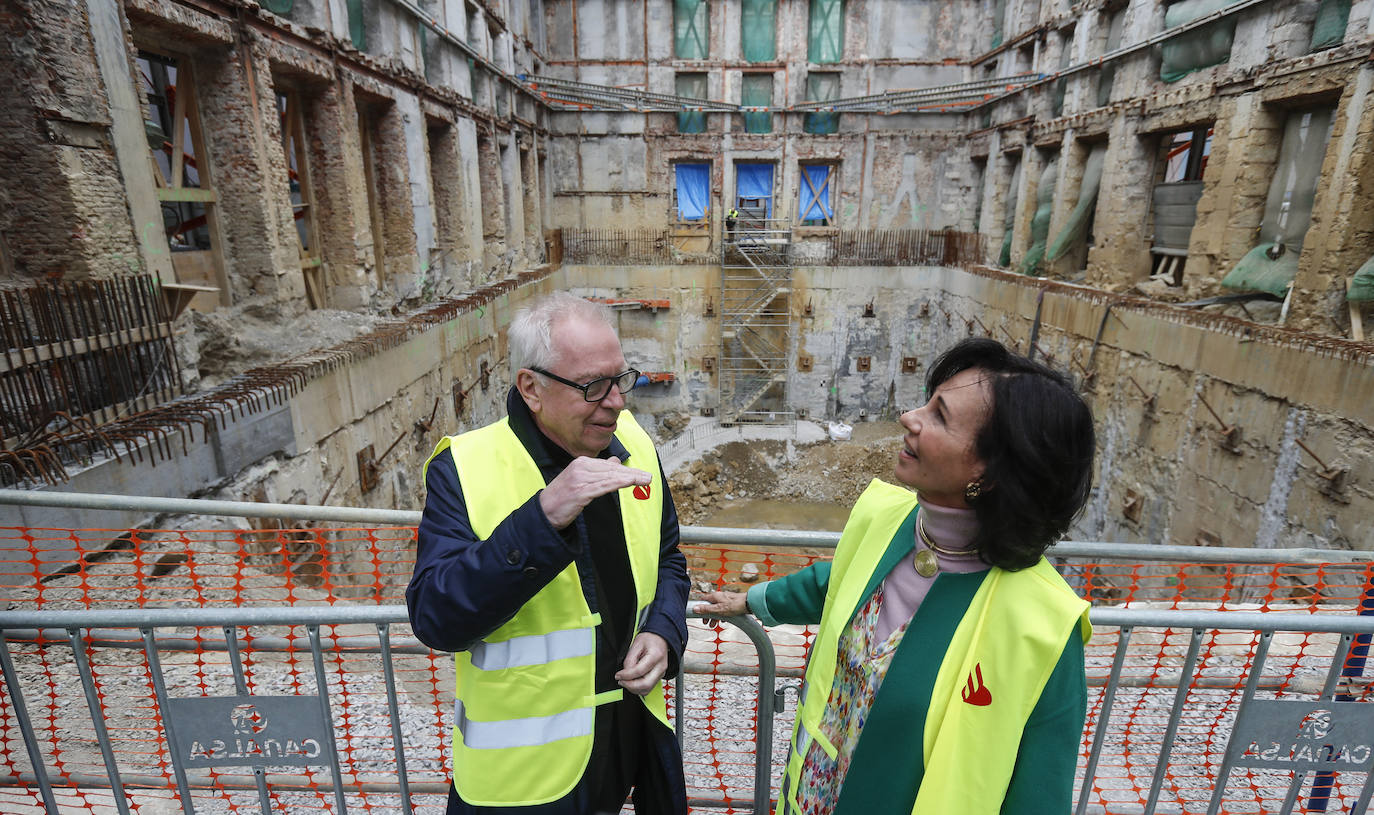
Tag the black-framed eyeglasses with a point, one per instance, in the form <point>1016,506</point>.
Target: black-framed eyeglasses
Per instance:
<point>598,389</point>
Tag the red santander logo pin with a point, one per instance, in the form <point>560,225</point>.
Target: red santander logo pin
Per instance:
<point>642,492</point>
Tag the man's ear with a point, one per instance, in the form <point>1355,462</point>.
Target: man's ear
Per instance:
<point>525,384</point>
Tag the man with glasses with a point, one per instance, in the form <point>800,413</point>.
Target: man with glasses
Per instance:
<point>548,562</point>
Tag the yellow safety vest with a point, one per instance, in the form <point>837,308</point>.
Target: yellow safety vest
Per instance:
<point>526,694</point>
<point>969,749</point>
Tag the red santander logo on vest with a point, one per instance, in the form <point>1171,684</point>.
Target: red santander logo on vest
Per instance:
<point>642,492</point>
<point>977,694</point>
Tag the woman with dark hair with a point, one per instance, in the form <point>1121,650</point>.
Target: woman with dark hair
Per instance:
<point>947,672</point>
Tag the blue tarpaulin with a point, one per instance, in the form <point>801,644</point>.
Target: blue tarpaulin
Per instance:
<point>815,196</point>
<point>755,181</point>
<point>693,190</point>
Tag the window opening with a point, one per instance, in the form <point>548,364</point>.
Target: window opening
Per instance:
<point>1201,48</point>
<point>825,27</point>
<point>1106,75</point>
<point>691,32</point>
<point>181,170</point>
<point>1272,265</point>
<point>1061,85</point>
<point>1044,210</point>
<point>754,193</point>
<point>367,138</point>
<point>815,209</point>
<point>980,174</point>
<point>1183,161</point>
<point>999,12</point>
<point>692,190</point>
<point>1328,29</point>
<point>822,86</point>
<point>449,195</point>
<point>1186,154</point>
<point>357,29</point>
<point>1009,213</point>
<point>1074,235</point>
<point>756,90</point>
<point>292,119</point>
<point>758,30</point>
<point>691,86</point>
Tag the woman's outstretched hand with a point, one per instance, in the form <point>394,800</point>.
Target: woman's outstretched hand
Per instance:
<point>722,604</point>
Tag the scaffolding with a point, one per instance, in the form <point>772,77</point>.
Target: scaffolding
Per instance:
<point>755,320</point>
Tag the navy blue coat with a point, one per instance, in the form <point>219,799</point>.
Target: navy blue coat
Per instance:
<point>463,589</point>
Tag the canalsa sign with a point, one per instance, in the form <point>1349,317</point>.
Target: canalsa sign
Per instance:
<point>242,731</point>
<point>1303,735</point>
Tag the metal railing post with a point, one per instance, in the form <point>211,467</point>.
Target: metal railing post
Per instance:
<point>1123,641</point>
<point>1320,795</point>
<point>231,645</point>
<point>1166,748</point>
<point>394,708</point>
<point>1333,675</point>
<point>173,745</point>
<point>1232,749</point>
<point>322,686</point>
<point>83,667</point>
<point>21,712</point>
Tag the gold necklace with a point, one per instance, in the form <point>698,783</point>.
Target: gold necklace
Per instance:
<point>925,561</point>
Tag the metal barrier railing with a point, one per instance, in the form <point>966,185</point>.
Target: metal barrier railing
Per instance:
<point>192,724</point>
<point>1190,710</point>
<point>190,736</point>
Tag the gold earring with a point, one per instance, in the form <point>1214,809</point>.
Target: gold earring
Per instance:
<point>973,490</point>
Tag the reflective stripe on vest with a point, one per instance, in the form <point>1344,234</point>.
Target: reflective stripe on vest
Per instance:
<point>525,697</point>
<point>535,649</point>
<point>876,517</point>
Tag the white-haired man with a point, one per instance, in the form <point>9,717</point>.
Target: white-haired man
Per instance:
<point>548,562</point>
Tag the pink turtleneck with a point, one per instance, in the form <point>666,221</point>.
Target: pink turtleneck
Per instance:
<point>904,589</point>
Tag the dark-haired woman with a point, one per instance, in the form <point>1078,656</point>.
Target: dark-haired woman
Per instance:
<point>947,672</point>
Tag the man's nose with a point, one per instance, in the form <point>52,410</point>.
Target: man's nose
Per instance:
<point>615,400</point>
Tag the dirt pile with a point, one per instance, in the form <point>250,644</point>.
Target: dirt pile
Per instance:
<point>827,471</point>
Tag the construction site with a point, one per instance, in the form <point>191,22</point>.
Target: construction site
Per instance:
<point>258,256</point>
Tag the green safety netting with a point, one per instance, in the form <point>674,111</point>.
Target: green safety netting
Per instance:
<point>1328,30</point>
<point>822,87</point>
<point>1362,285</point>
<point>1106,75</point>
<point>1288,207</point>
<point>284,6</point>
<point>999,11</point>
<point>356,31</point>
<point>825,31</point>
<point>1009,217</point>
<point>1076,230</point>
<point>1200,48</point>
<point>690,32</point>
<point>1062,83</point>
<point>756,90</point>
<point>757,30</point>
<point>691,86</point>
<point>1040,224</point>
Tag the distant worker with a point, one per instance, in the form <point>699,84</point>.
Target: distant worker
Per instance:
<point>548,561</point>
<point>947,673</point>
<point>731,216</point>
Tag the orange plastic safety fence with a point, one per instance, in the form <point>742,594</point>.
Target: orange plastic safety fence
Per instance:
<point>64,569</point>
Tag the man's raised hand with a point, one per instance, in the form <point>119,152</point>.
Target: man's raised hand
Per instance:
<point>583,481</point>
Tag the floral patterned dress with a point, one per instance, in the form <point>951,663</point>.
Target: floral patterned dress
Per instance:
<point>859,671</point>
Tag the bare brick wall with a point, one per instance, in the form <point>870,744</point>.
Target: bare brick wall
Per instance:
<point>63,209</point>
